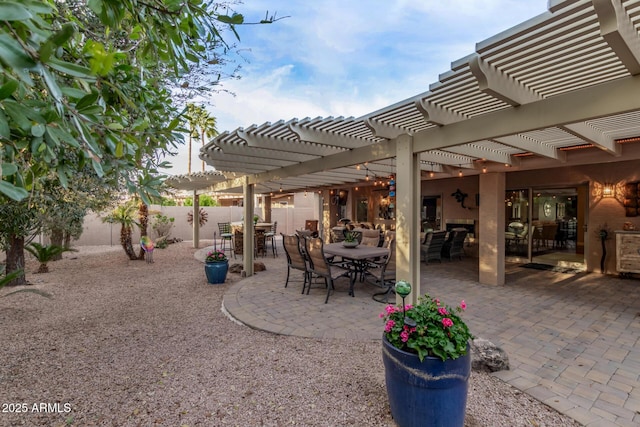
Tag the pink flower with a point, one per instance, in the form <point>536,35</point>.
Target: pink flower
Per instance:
<point>408,307</point>
<point>437,301</point>
<point>390,309</point>
<point>381,315</point>
<point>404,336</point>
<point>390,324</point>
<point>443,311</point>
<point>463,305</point>
<point>447,323</point>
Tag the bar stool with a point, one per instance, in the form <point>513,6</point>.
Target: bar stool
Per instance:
<point>226,236</point>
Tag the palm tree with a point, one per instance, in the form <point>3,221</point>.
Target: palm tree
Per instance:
<point>193,117</point>
<point>44,254</point>
<point>125,216</point>
<point>207,126</point>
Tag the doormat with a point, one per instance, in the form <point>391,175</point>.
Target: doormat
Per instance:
<point>554,268</point>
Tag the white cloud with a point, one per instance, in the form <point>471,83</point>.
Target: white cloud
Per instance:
<point>337,58</point>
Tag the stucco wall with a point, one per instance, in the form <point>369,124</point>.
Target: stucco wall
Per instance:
<point>289,219</point>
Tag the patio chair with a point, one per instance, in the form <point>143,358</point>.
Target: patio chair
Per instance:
<point>431,246</point>
<point>226,236</point>
<point>370,238</point>
<point>385,275</point>
<point>454,246</point>
<point>320,266</point>
<point>270,237</point>
<point>295,258</point>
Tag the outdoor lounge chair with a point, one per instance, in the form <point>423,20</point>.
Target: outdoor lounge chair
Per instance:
<point>431,246</point>
<point>454,246</point>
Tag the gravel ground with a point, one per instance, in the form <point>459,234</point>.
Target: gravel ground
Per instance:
<point>125,343</point>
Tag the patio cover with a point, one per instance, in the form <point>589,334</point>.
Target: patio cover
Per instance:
<point>560,88</point>
<point>199,181</point>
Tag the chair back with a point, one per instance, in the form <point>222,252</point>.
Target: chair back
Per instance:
<point>295,257</point>
<point>315,253</point>
<point>274,227</point>
<point>370,237</point>
<point>224,228</point>
<point>388,237</point>
<point>390,265</point>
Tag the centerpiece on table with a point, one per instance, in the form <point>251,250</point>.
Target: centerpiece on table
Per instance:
<point>427,359</point>
<point>216,265</point>
<point>350,239</point>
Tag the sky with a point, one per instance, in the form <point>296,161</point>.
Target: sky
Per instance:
<point>334,58</point>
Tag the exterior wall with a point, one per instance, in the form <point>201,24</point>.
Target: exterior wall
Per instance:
<point>451,208</point>
<point>289,219</point>
<point>600,210</point>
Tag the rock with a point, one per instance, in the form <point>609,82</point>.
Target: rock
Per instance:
<point>487,357</point>
<point>237,267</point>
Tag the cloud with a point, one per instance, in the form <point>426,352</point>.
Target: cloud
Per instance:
<point>337,58</point>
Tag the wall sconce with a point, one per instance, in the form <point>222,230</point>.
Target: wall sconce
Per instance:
<point>608,190</point>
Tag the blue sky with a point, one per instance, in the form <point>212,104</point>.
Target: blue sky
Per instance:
<point>349,57</point>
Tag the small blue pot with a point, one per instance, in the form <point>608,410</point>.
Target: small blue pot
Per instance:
<point>216,271</point>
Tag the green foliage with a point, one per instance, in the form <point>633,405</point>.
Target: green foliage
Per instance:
<point>162,225</point>
<point>439,331</point>
<point>205,200</point>
<point>84,84</point>
<point>4,281</point>
<point>45,253</point>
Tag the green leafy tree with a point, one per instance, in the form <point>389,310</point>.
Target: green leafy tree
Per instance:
<point>19,220</point>
<point>85,84</point>
<point>125,215</point>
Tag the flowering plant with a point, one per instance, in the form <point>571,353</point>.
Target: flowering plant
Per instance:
<point>438,330</point>
<point>216,255</point>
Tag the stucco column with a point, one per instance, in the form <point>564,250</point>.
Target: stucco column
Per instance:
<point>491,222</point>
<point>407,216</point>
<point>196,219</point>
<point>266,208</point>
<point>247,228</point>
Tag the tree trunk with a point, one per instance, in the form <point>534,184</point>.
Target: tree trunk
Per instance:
<point>125,241</point>
<point>67,241</point>
<point>15,259</point>
<point>56,239</point>
<point>143,214</point>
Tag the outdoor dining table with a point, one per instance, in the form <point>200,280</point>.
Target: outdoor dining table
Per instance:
<point>358,257</point>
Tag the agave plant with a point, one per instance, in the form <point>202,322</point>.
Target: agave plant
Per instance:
<point>44,254</point>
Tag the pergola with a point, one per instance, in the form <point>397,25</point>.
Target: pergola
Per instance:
<point>560,88</point>
<point>196,182</point>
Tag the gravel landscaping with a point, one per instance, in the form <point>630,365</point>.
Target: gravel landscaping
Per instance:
<point>126,343</point>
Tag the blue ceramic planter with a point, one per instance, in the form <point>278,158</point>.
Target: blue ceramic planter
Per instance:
<point>427,393</point>
<point>216,271</point>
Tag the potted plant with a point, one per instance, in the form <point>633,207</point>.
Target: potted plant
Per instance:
<point>427,361</point>
<point>350,239</point>
<point>216,265</point>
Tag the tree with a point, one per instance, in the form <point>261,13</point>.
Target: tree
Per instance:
<point>208,128</point>
<point>193,118</point>
<point>84,84</point>
<point>125,216</point>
